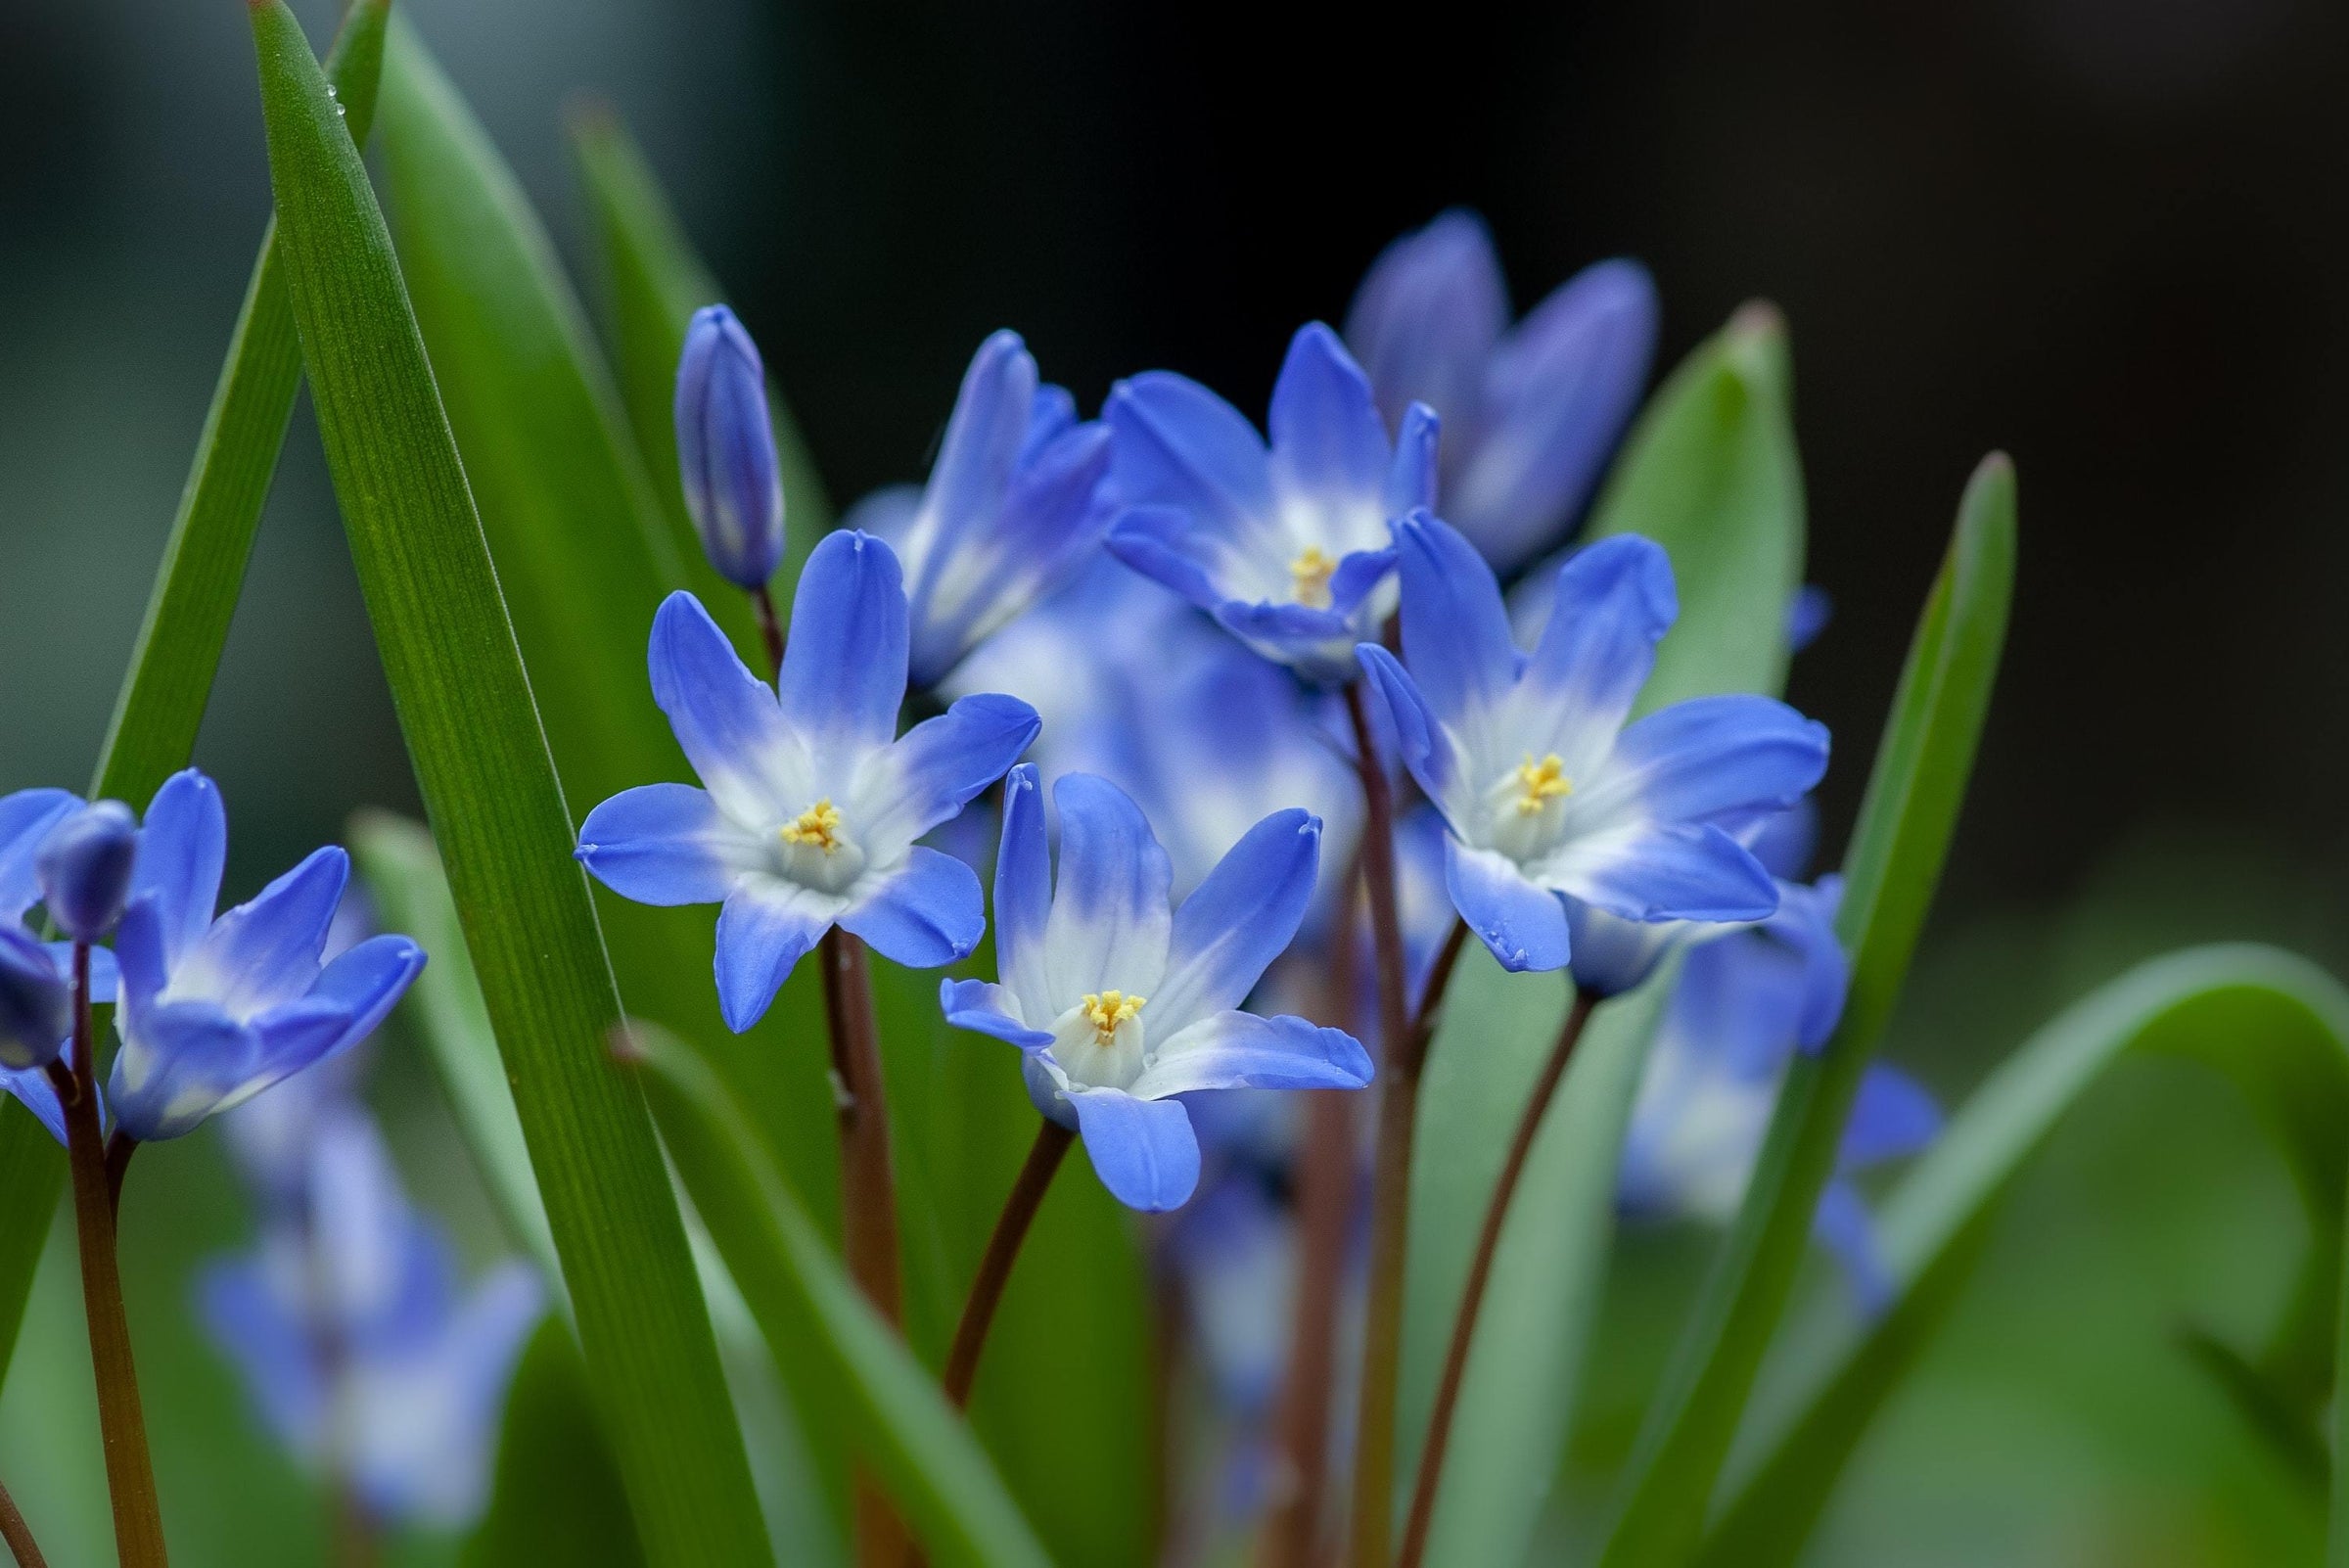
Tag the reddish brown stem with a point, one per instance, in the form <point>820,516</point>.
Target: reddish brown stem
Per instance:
<point>1391,1176</point>
<point>18,1535</point>
<point>118,1149</point>
<point>770,627</point>
<point>122,1423</point>
<point>1480,1274</point>
<point>1027,1195</point>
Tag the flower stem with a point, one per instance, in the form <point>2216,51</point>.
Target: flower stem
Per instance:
<point>770,627</point>
<point>1480,1272</point>
<point>129,1473</point>
<point>1391,1178</point>
<point>356,1544</point>
<point>1027,1195</point>
<point>120,1148</point>
<point>18,1535</point>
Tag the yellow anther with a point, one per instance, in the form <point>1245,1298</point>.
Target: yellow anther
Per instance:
<point>819,825</point>
<point>1106,1010</point>
<point>1311,571</point>
<point>1540,783</point>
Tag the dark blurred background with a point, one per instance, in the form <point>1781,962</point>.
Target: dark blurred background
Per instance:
<point>2106,236</point>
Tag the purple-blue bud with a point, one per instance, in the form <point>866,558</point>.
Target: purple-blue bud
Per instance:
<point>726,449</point>
<point>84,868</point>
<point>36,1008</point>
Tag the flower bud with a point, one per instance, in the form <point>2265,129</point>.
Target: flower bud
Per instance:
<point>84,868</point>
<point>36,1009</point>
<point>726,449</point>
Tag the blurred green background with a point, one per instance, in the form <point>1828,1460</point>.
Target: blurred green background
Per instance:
<point>2103,236</point>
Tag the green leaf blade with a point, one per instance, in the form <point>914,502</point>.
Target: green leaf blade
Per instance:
<point>1906,823</point>
<point>498,814</point>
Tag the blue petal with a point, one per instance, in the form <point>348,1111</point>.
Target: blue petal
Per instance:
<point>1411,477</point>
<point>930,912</point>
<point>34,1090</point>
<point>666,844</point>
<point>105,975</point>
<point>938,767</point>
<point>1842,1224</point>
<point>844,670</point>
<point>1455,631</point>
<point>1418,738</point>
<point>1357,573</point>
<point>1559,391</point>
<point>1110,922</point>
<point>36,1001</point>
<point>1613,956</point>
<point>139,952</point>
<point>761,932</point>
<point>366,983</point>
<point>1240,1050</point>
<point>263,1333</point>
<point>1238,921</point>
<point>177,1064</point>
<point>1326,437</point>
<point>1664,872</point>
<point>1893,1116</point>
<point>983,435</point>
<point>1807,616</point>
<point>1783,841</point>
<point>1165,544</point>
<point>725,718</point>
<point>1143,1150</point>
<point>26,819</point>
<point>1614,602</point>
<point>1050,416</point>
<point>1522,924</point>
<point>267,951</point>
<point>1428,312</point>
<point>988,1009</point>
<point>1708,757</point>
<point>1024,892</point>
<point>726,448</point>
<point>1173,442</point>
<point>182,848</point>
<point>1806,924</point>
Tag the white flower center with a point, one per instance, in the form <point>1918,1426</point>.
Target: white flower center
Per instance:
<point>1525,808</point>
<point>1100,1042</point>
<point>814,850</point>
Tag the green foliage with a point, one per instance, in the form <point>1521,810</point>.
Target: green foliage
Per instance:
<point>557,1500</point>
<point>1894,863</point>
<point>1712,474</point>
<point>498,814</point>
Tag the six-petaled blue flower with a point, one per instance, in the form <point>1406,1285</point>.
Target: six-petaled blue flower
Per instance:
<point>1119,1003</point>
<point>212,1012</point>
<point>1546,792</point>
<point>1531,412</point>
<point>1011,511</point>
<point>811,801</point>
<point>1287,545</point>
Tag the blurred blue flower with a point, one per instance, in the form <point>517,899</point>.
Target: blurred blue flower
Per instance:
<point>84,868</point>
<point>726,449</point>
<point>36,1002</point>
<point>1119,1003</point>
<point>1010,513</point>
<point>212,1011</point>
<point>1549,794</point>
<point>1744,1005</point>
<point>361,1355</point>
<point>1529,413</point>
<point>1287,545</point>
<point>811,802</point>
<point>271,1136</point>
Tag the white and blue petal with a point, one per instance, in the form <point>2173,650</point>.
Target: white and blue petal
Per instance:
<point>1023,896</point>
<point>725,718</point>
<point>1328,442</point>
<point>844,668</point>
<point>936,768</point>
<point>1456,631</point>
<point>267,951</point>
<point>767,925</point>
<point>1521,923</point>
<point>1176,443</point>
<point>1614,602</point>
<point>985,1008</point>
<point>1231,1051</point>
<point>1662,871</point>
<point>1110,923</point>
<point>1143,1150</point>
<point>926,913</point>
<point>177,1065</point>
<point>1709,759</point>
<point>668,844</point>
<point>1241,917</point>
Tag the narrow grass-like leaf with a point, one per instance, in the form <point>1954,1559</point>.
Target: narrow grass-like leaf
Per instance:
<point>556,1495</point>
<point>1894,863</point>
<point>1711,473</point>
<point>654,280</point>
<point>2270,1021</point>
<point>498,814</point>
<point>813,1313</point>
<point>160,706</point>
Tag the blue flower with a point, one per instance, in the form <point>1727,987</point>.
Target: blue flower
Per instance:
<point>1529,413</point>
<point>1546,792</point>
<point>359,1351</point>
<point>726,449</point>
<point>35,978</point>
<point>213,1012</point>
<point>1288,546</point>
<point>1010,512</point>
<point>1118,1003</point>
<point>1745,1004</point>
<point>35,1003</point>
<point>84,866</point>
<point>811,801</point>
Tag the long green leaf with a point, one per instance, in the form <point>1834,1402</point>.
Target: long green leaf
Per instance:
<point>2272,1023</point>
<point>805,1303</point>
<point>498,814</point>
<point>1894,863</point>
<point>654,281</point>
<point>160,706</point>
<point>1712,474</point>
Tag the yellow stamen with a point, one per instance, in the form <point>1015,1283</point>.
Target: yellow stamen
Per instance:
<point>1541,782</point>
<point>819,825</point>
<point>1106,1010</point>
<point>1311,572</point>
